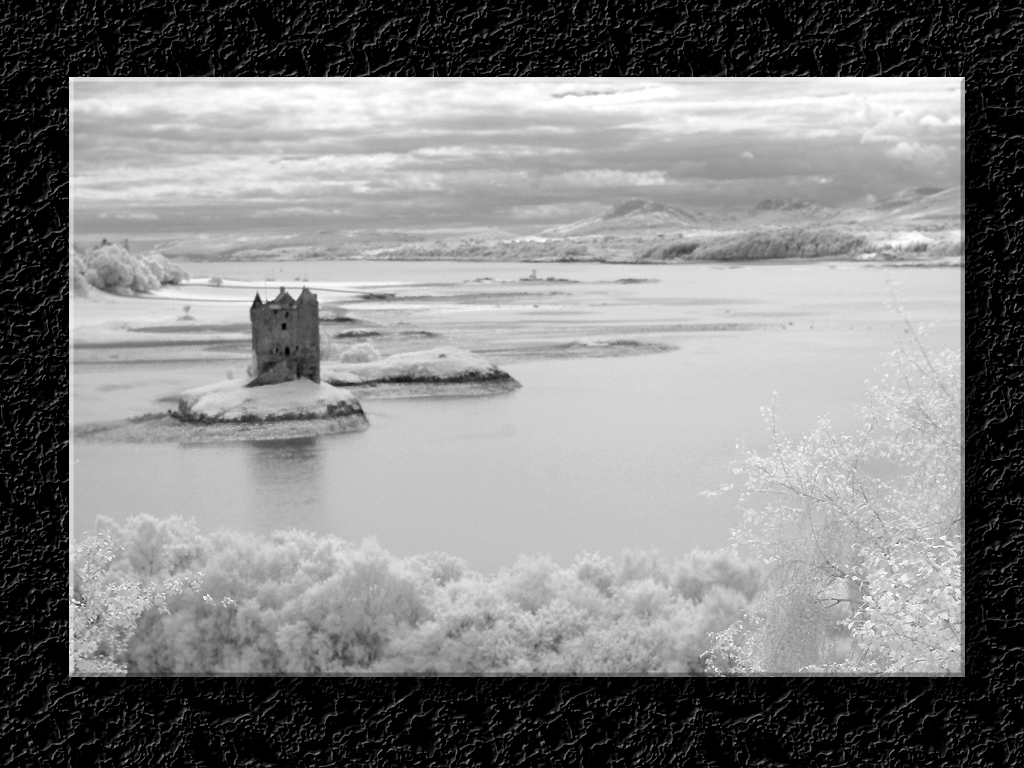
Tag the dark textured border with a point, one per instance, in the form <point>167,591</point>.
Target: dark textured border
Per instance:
<point>47,720</point>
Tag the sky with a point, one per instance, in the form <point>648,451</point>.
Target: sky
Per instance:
<point>218,156</point>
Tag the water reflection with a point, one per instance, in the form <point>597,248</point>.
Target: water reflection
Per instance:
<point>285,483</point>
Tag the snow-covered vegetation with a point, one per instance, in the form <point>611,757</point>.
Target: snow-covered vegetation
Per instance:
<point>860,537</point>
<point>111,267</point>
<point>295,602</point>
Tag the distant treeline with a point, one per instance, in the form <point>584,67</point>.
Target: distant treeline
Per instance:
<point>759,245</point>
<point>482,250</point>
<point>794,243</point>
<point>296,602</point>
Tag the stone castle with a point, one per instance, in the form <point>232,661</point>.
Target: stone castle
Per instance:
<point>285,338</point>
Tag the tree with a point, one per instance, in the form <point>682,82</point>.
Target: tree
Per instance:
<point>114,268</point>
<point>345,623</point>
<point>105,607</point>
<point>860,536</point>
<point>297,602</point>
<point>147,548</point>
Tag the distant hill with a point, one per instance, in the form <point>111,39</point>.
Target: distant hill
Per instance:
<point>907,197</point>
<point>636,215</point>
<point>325,244</point>
<point>919,206</point>
<point>923,203</point>
<point>790,211</point>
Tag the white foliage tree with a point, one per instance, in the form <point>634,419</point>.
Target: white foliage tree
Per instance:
<point>113,267</point>
<point>105,607</point>
<point>860,536</point>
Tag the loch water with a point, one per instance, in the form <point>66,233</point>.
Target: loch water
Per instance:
<point>592,454</point>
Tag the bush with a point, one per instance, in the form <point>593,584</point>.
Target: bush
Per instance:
<point>79,284</point>
<point>113,268</point>
<point>699,572</point>
<point>364,352</point>
<point>328,349</point>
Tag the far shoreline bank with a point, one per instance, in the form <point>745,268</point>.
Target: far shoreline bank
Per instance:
<point>942,261</point>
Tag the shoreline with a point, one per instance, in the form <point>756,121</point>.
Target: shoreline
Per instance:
<point>130,354</point>
<point>939,261</point>
<point>165,428</point>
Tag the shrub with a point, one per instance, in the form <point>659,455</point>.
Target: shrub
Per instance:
<point>79,284</point>
<point>363,352</point>
<point>111,267</point>
<point>328,349</point>
<point>700,571</point>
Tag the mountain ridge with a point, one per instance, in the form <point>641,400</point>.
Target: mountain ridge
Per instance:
<point>633,214</point>
<point>631,225</point>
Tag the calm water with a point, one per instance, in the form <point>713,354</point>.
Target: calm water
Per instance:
<point>592,454</point>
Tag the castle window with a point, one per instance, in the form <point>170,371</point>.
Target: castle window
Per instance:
<point>284,326</point>
<point>287,351</point>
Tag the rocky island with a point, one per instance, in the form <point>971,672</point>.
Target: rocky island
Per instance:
<point>288,392</point>
<point>301,399</point>
<point>441,366</point>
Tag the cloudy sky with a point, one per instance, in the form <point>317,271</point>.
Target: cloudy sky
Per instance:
<point>171,156</point>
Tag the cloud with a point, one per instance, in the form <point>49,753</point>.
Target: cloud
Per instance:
<point>606,177</point>
<point>920,154</point>
<point>294,210</point>
<point>489,151</point>
<point>129,216</point>
<point>583,93</point>
<point>555,212</point>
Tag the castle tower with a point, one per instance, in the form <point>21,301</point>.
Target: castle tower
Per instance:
<point>285,338</point>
